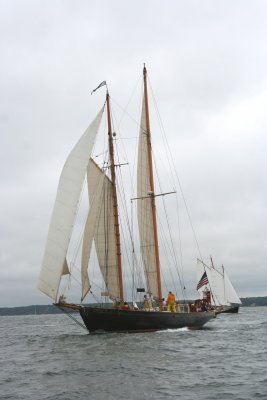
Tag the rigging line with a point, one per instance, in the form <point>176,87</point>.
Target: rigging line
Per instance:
<point>105,218</point>
<point>138,278</point>
<point>133,255</point>
<point>165,250</point>
<point>121,193</point>
<point>175,173</point>
<point>72,317</point>
<point>125,152</point>
<point>172,247</point>
<point>173,250</point>
<point>169,229</point>
<point>130,170</point>
<point>100,154</point>
<point>128,114</point>
<point>164,136</point>
<point>180,276</point>
<point>125,232</point>
<point>180,239</point>
<point>139,271</point>
<point>124,109</point>
<point>210,268</point>
<point>182,285</point>
<point>78,246</point>
<point>67,284</point>
<point>137,144</point>
<point>124,207</point>
<point>78,243</point>
<point>127,138</point>
<point>95,297</point>
<point>179,227</point>
<point>104,135</point>
<point>116,143</point>
<point>166,254</point>
<point>80,238</point>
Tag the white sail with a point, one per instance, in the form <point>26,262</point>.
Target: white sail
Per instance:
<point>144,210</point>
<point>222,291</point>
<point>61,224</point>
<point>95,181</point>
<point>230,293</point>
<point>101,226</point>
<point>217,286</point>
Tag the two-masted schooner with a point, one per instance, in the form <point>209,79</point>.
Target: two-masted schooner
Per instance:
<point>217,288</point>
<point>103,229</point>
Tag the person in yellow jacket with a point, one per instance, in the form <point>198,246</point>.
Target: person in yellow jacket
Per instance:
<point>171,302</point>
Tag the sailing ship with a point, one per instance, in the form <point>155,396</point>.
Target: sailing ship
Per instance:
<point>102,229</point>
<point>216,288</point>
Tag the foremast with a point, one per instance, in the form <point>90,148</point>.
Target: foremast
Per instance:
<point>115,199</point>
<point>151,179</point>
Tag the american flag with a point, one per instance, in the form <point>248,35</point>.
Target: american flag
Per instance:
<point>203,281</point>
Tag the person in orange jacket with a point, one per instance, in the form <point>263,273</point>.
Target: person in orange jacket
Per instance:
<point>171,302</point>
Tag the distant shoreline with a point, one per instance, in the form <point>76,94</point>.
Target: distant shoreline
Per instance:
<point>51,309</point>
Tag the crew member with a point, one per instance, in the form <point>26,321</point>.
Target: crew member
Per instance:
<point>171,302</point>
<point>125,306</point>
<point>147,303</point>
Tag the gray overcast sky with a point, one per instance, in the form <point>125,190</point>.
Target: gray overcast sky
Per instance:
<point>207,62</point>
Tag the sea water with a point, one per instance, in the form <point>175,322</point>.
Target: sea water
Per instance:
<point>50,357</point>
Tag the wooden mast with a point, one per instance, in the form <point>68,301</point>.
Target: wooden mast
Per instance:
<point>151,178</point>
<point>115,200</point>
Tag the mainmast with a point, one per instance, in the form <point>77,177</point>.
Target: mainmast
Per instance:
<point>151,178</point>
<point>115,200</point>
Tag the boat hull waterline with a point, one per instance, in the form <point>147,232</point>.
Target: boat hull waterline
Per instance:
<point>231,310</point>
<point>110,320</point>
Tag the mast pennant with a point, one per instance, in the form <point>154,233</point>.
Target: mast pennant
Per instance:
<point>104,83</point>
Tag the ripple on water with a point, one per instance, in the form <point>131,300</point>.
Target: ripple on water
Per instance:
<point>47,357</point>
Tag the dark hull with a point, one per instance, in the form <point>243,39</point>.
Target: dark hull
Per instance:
<point>227,309</point>
<point>110,320</point>
<point>231,310</point>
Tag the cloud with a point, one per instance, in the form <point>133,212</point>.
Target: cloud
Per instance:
<point>207,67</point>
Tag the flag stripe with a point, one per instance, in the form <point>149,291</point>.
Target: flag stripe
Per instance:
<point>203,281</point>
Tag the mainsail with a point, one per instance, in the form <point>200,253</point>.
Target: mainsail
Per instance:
<point>65,207</point>
<point>144,209</point>
<point>100,225</point>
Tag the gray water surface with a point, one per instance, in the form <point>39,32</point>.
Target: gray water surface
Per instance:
<point>49,357</point>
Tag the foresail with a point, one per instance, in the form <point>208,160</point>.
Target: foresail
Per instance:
<point>101,226</point>
<point>96,184</point>
<point>61,224</point>
<point>144,210</point>
<point>230,293</point>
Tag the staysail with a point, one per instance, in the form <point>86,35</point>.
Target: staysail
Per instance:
<point>101,226</point>
<point>144,209</point>
<point>96,184</point>
<point>61,224</point>
<point>230,293</point>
